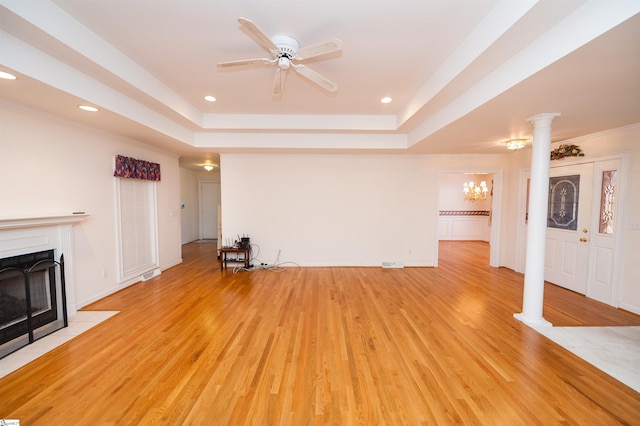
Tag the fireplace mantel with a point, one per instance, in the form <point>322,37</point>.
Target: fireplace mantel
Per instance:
<point>21,235</point>
<point>36,221</point>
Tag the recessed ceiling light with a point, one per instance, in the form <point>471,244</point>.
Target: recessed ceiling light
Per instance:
<point>88,108</point>
<point>6,76</point>
<point>386,100</point>
<point>210,98</point>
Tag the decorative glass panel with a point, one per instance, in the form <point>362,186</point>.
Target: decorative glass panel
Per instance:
<point>608,201</point>
<point>563,202</point>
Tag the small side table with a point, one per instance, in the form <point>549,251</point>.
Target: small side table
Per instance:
<point>242,255</point>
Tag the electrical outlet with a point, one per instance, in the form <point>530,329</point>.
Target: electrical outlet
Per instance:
<point>635,225</point>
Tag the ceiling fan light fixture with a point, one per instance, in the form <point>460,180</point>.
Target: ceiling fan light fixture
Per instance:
<point>284,63</point>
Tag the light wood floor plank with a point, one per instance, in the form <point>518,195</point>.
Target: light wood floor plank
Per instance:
<point>352,346</point>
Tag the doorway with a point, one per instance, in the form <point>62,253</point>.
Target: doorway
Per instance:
<point>209,195</point>
<point>568,225</point>
<point>465,220</point>
<point>137,227</point>
<point>581,256</point>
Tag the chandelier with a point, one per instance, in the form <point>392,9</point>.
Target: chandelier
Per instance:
<point>473,192</point>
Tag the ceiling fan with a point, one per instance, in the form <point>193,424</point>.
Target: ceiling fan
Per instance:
<point>286,53</point>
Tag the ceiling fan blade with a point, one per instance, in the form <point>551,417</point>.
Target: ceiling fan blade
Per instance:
<point>261,37</point>
<point>245,62</point>
<point>316,78</point>
<point>278,81</point>
<point>318,49</point>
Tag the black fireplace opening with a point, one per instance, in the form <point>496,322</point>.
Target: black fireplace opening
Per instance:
<point>32,299</point>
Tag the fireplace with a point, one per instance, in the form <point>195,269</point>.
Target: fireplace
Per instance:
<point>32,298</point>
<point>20,238</point>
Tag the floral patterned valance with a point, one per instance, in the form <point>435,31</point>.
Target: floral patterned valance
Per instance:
<point>127,167</point>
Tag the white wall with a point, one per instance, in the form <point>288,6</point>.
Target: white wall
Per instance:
<point>50,166</point>
<point>326,210</point>
<point>337,209</point>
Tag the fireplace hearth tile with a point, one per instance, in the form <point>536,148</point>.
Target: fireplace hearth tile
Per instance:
<point>79,323</point>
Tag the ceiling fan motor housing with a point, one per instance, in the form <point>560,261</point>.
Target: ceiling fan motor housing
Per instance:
<point>287,46</point>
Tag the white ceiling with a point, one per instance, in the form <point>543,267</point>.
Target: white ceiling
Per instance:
<point>464,75</point>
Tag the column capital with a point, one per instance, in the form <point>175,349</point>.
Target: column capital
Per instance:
<point>545,116</point>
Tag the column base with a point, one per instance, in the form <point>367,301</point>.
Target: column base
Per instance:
<point>533,323</point>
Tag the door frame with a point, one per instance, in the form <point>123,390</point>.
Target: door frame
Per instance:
<point>496,212</point>
<point>618,230</point>
<point>568,250</point>
<point>149,223</point>
<point>621,219</point>
<point>200,203</point>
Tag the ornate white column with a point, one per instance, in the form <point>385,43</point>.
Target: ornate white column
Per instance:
<point>533,297</point>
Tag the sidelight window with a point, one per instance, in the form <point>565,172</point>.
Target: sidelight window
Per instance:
<point>608,201</point>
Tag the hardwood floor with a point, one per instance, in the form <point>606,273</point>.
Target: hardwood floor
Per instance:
<point>198,345</point>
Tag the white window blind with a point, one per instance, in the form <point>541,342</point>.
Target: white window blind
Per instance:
<point>137,220</point>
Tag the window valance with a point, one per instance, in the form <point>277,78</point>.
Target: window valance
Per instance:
<point>127,167</point>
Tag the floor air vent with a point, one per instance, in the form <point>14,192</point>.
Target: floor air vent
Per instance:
<point>396,265</point>
<point>151,274</point>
